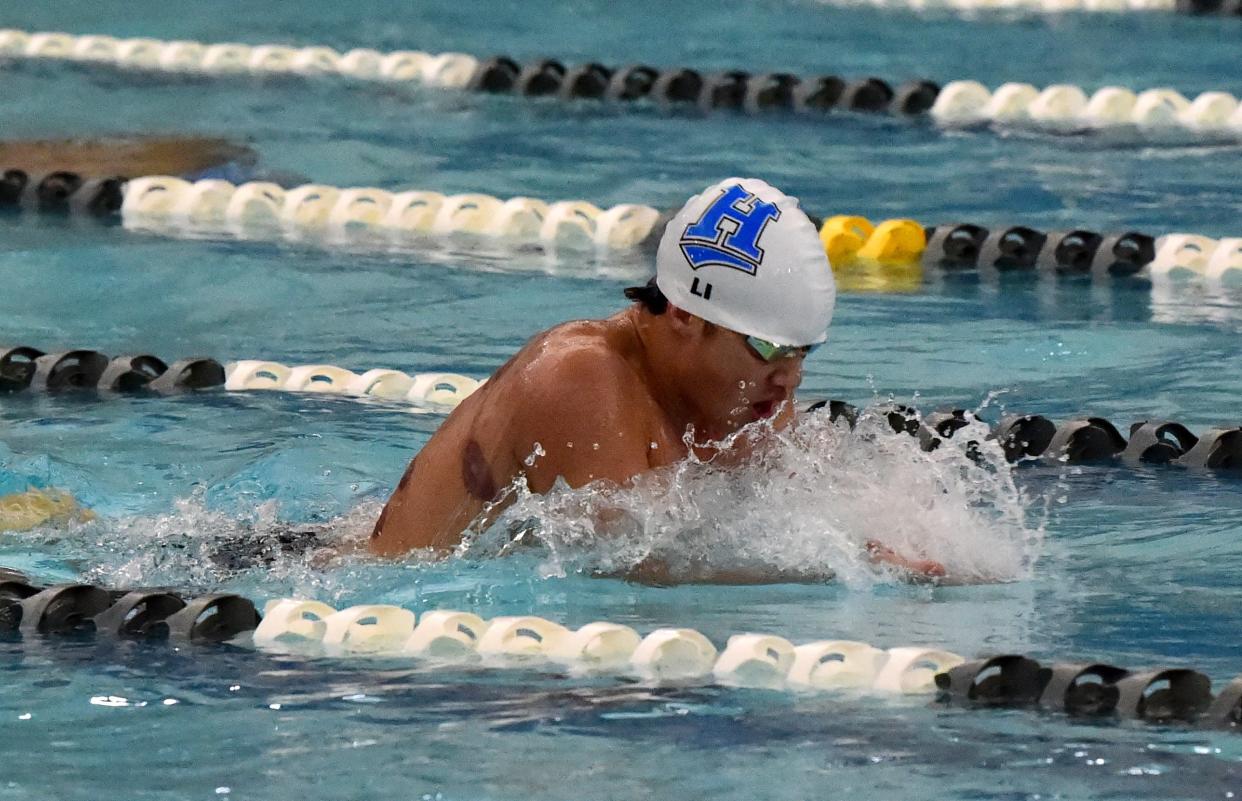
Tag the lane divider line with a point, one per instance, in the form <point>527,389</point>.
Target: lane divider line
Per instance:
<point>1155,115</point>
<point>447,638</point>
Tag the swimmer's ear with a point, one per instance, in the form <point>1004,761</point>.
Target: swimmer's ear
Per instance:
<point>684,323</point>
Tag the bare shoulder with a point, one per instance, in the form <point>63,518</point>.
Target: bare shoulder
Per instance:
<point>576,397</point>
<point>575,359</point>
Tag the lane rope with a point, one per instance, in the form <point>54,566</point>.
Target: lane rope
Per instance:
<point>28,368</point>
<point>1064,108</point>
<point>1173,257</point>
<point>449,638</point>
<point>161,201</point>
<point>167,204</point>
<point>680,654</point>
<point>1021,436</point>
<point>156,201</point>
<point>453,70</point>
<point>1081,440</point>
<point>1154,114</point>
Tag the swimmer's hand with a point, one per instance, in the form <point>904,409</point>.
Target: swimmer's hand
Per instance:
<point>919,569</point>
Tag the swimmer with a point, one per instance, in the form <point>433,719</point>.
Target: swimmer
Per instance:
<point>105,157</point>
<point>743,293</point>
<point>22,511</point>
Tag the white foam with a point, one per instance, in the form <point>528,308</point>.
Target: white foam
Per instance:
<point>190,546</point>
<point>803,505</point>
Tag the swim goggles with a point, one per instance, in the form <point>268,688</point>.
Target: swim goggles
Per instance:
<point>770,351</point>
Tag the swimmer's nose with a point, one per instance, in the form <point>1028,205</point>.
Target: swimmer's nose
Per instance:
<point>787,373</point>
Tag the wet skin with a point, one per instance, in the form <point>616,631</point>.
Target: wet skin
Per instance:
<point>602,399</point>
<point>593,400</point>
<point>123,155</point>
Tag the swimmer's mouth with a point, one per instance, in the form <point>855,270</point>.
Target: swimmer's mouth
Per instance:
<point>764,409</point>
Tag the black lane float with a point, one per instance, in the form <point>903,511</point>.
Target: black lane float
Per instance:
<point>1083,440</point>
<point>734,90</point>
<point>61,192</point>
<point>1093,690</point>
<point>1219,8</point>
<point>27,609</point>
<point>966,246</point>
<point>24,367</point>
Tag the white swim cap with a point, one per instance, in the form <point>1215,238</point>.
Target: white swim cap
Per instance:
<point>744,256</point>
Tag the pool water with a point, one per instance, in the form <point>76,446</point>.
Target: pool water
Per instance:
<point>1133,566</point>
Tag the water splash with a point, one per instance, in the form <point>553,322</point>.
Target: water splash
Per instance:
<point>195,547</point>
<point>802,505</point>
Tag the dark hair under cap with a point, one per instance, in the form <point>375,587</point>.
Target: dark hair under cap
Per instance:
<point>649,295</point>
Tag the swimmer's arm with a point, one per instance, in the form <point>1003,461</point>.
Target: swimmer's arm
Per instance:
<point>917,568</point>
<point>582,425</point>
<point>426,510</point>
<point>655,572</point>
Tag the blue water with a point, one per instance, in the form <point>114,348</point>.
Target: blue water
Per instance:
<point>1136,566</point>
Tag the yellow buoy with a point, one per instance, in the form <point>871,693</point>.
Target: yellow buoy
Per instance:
<point>895,241</point>
<point>843,235</point>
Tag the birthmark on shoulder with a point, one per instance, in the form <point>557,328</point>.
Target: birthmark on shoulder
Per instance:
<point>476,473</point>
<point>395,498</point>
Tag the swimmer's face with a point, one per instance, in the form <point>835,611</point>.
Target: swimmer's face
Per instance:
<point>733,385</point>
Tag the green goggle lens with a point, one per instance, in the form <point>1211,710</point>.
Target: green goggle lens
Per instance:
<point>770,351</point>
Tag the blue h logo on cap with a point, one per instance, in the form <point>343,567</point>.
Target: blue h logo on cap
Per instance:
<point>734,243</point>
